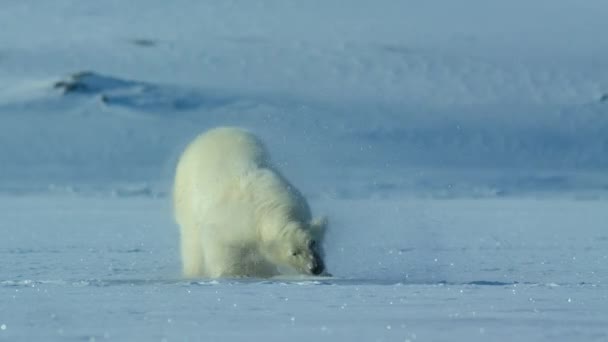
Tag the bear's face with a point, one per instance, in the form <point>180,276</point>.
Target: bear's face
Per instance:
<point>305,257</point>
<point>304,252</point>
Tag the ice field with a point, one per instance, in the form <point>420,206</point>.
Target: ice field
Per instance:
<point>460,151</point>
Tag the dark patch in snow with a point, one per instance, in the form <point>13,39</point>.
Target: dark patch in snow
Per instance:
<point>130,250</point>
<point>135,250</point>
<point>604,98</point>
<point>143,42</point>
<point>396,49</point>
<point>138,95</point>
<point>87,82</point>
<point>491,283</point>
<point>136,191</point>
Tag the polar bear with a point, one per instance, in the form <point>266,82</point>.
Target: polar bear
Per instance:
<point>238,216</point>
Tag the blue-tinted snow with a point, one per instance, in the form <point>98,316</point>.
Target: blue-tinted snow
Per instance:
<point>97,267</point>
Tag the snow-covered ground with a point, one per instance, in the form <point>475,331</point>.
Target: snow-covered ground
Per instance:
<point>96,268</point>
<point>460,150</point>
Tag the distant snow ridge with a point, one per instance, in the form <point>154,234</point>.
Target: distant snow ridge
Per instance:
<point>137,95</point>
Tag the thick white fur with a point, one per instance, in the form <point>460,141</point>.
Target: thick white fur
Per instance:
<point>237,215</point>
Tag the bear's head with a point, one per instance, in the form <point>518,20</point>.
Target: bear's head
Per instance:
<point>301,247</point>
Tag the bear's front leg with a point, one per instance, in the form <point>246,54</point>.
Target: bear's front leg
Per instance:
<point>192,253</point>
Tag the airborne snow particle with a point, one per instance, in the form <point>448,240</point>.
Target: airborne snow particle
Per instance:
<point>3,327</point>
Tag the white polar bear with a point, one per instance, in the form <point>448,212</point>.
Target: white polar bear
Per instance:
<point>238,215</point>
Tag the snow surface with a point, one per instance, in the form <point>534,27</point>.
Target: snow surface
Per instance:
<point>97,268</point>
<point>460,150</point>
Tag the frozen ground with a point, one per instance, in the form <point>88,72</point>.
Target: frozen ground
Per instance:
<point>459,149</point>
<point>97,268</point>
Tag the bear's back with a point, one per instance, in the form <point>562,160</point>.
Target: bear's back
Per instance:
<point>223,153</point>
<point>229,149</point>
<point>212,168</point>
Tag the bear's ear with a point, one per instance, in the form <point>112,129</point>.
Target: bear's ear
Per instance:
<point>318,227</point>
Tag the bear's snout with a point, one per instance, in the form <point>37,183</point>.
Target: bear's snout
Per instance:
<point>316,267</point>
